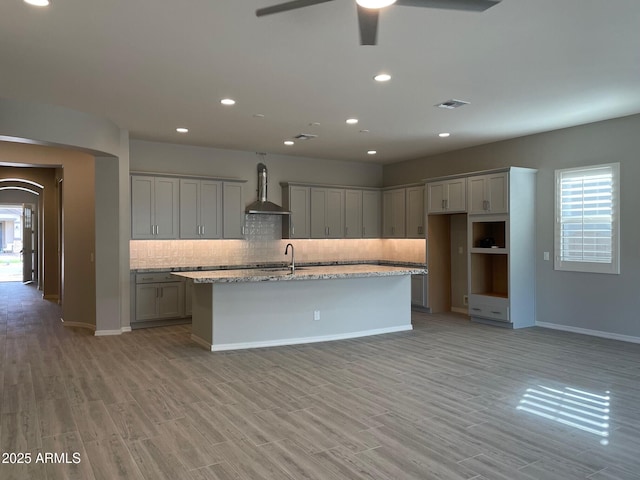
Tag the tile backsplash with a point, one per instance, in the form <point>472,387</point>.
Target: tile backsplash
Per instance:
<point>263,243</point>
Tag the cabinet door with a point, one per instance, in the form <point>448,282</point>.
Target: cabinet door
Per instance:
<point>393,211</point>
<point>142,207</point>
<point>188,300</point>
<point>436,196</point>
<point>171,300</point>
<point>233,210</point>
<point>334,213</point>
<point>418,290</point>
<point>166,207</point>
<point>498,192</point>
<point>371,204</point>
<point>489,193</point>
<point>189,208</point>
<point>318,213</point>
<point>300,218</point>
<point>415,212</point>
<point>353,213</point>
<point>147,301</point>
<point>457,195</point>
<point>210,209</point>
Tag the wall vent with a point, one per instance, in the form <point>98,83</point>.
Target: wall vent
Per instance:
<point>451,104</point>
<point>305,136</point>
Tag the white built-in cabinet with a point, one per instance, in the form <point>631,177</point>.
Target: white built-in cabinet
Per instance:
<point>489,193</point>
<point>200,209</point>
<point>154,211</point>
<point>501,246</point>
<point>327,212</point>
<point>447,196</point>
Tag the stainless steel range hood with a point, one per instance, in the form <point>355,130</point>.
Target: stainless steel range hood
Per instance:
<point>262,205</point>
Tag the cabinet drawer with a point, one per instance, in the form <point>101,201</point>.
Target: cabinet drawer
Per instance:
<point>155,277</point>
<point>494,312</point>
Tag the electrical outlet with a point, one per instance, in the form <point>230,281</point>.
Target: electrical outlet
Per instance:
<point>316,314</point>
<point>465,299</point>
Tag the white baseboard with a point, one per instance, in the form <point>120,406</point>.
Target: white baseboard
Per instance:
<point>104,333</point>
<point>586,331</point>
<point>298,341</point>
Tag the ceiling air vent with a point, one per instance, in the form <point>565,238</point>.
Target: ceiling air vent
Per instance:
<point>305,136</point>
<point>451,104</point>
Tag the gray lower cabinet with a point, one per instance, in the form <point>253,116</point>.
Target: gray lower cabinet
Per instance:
<point>158,296</point>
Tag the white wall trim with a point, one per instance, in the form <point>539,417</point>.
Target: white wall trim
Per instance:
<point>586,331</point>
<point>104,333</point>
<point>201,342</point>
<point>298,341</point>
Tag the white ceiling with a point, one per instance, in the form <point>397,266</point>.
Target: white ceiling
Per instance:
<point>526,66</point>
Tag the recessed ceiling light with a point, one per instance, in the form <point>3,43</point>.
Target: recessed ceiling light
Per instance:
<point>289,142</point>
<point>382,77</point>
<point>38,3</point>
<point>257,115</point>
<point>314,124</point>
<point>352,121</point>
<point>444,134</point>
<point>371,152</point>
<point>228,101</point>
<point>364,131</point>
<point>182,130</point>
<point>375,3</point>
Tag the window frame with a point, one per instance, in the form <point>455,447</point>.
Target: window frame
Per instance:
<point>612,267</point>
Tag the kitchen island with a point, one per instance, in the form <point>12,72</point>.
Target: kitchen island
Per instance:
<point>251,308</point>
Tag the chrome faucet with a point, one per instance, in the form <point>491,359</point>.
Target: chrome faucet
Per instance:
<point>292,265</point>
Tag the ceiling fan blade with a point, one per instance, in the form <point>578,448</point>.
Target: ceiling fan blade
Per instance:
<point>368,23</point>
<point>469,5</point>
<point>283,7</point>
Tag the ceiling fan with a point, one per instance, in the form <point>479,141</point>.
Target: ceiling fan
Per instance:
<point>368,10</point>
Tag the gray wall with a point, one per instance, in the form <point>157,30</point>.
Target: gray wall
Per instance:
<point>608,303</point>
<point>190,160</point>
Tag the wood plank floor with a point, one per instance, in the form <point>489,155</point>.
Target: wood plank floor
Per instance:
<point>449,400</point>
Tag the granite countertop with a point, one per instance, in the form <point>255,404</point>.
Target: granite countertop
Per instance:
<point>322,272</point>
<point>274,265</point>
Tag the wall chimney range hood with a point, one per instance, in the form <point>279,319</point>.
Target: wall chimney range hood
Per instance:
<point>262,205</point>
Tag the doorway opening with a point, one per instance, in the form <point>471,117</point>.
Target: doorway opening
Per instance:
<point>11,243</point>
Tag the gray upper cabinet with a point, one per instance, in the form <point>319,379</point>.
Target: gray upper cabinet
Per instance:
<point>415,212</point>
<point>200,209</point>
<point>327,212</point>
<point>353,222</point>
<point>296,199</point>
<point>154,207</point>
<point>489,193</point>
<point>371,206</point>
<point>448,196</point>
<point>393,213</point>
<point>233,210</point>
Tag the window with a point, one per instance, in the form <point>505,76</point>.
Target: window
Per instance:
<point>587,219</point>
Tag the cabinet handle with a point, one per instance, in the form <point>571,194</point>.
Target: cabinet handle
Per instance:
<point>293,230</point>
<point>364,231</point>
<point>202,229</point>
<point>442,203</point>
<point>446,204</point>
<point>475,309</point>
<point>496,313</point>
<point>393,230</point>
<point>157,230</point>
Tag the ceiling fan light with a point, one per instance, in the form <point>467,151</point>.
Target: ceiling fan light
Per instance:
<point>375,3</point>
